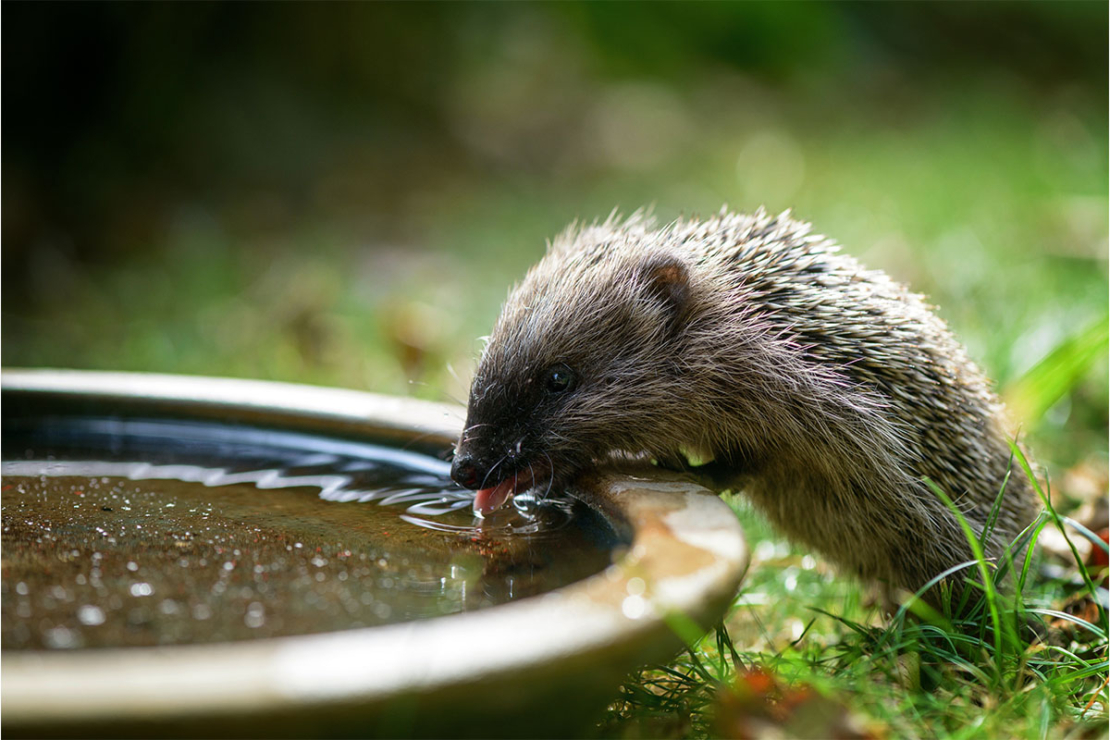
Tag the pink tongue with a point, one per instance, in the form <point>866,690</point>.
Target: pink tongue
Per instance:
<point>491,499</point>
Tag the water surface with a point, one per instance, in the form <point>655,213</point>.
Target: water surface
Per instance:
<point>138,532</point>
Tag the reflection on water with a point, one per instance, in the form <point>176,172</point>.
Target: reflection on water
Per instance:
<point>527,516</point>
<point>146,532</point>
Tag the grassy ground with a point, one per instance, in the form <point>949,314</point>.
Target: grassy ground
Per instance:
<point>805,655</point>
<point>991,199</point>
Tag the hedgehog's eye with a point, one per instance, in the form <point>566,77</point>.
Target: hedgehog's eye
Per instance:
<point>559,378</point>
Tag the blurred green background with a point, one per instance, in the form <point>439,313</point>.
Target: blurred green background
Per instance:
<point>343,194</point>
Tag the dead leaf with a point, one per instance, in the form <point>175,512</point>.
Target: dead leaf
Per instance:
<point>758,706</point>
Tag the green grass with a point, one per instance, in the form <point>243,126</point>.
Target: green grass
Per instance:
<point>803,654</point>
<point>849,672</point>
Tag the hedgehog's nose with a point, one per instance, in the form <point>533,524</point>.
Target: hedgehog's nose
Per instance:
<point>465,472</point>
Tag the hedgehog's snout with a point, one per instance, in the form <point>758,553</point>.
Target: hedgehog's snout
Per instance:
<point>465,472</point>
<point>476,464</point>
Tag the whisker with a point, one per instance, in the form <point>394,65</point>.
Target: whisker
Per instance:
<point>466,433</point>
<point>493,467</point>
<point>550,476</point>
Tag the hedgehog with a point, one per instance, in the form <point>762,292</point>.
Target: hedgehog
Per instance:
<point>755,354</point>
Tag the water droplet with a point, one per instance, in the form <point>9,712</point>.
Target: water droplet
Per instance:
<point>90,615</point>
<point>61,638</point>
<point>255,616</point>
<point>141,589</point>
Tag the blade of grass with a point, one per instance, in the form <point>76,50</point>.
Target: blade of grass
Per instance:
<point>1035,533</point>
<point>919,607</point>
<point>1079,675</point>
<point>1070,618</point>
<point>1054,376</point>
<point>996,507</point>
<point>1094,538</point>
<point>980,561</point>
<point>1091,588</point>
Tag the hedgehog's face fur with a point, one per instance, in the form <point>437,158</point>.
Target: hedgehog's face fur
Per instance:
<point>582,346</point>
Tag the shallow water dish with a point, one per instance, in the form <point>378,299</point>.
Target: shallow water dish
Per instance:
<point>541,665</point>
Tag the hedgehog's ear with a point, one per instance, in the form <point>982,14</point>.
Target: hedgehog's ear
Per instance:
<point>667,280</point>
